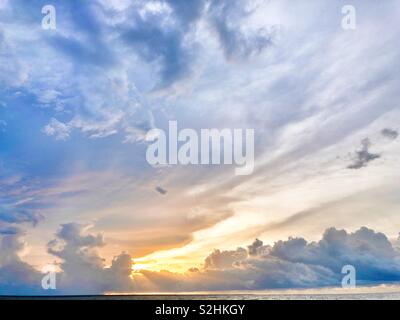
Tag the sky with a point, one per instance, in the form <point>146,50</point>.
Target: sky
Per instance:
<point>76,104</point>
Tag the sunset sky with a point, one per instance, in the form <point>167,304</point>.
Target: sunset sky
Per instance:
<point>76,104</point>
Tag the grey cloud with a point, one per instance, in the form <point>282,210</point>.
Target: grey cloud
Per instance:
<point>16,276</point>
<point>225,259</point>
<point>164,45</point>
<point>161,190</point>
<point>82,269</point>
<point>157,41</point>
<point>363,156</point>
<point>71,234</point>
<point>294,263</point>
<point>85,20</point>
<point>9,230</point>
<point>390,133</point>
<point>11,214</point>
<point>187,11</point>
<point>254,247</point>
<point>370,252</point>
<point>90,51</point>
<point>225,17</point>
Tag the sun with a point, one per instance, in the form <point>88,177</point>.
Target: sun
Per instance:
<point>137,267</point>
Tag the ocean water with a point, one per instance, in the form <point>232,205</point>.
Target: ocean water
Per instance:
<point>388,291</point>
<point>356,296</point>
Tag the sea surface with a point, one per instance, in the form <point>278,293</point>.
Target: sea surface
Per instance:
<point>388,291</point>
<point>357,296</point>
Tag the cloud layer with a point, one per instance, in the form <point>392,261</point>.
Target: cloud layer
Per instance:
<point>76,103</point>
<point>292,263</point>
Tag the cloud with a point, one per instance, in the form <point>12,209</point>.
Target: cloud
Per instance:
<point>82,269</point>
<point>390,133</point>
<point>12,69</point>
<point>188,12</point>
<point>13,214</point>
<point>161,44</point>
<point>226,18</point>
<point>370,252</point>
<point>16,276</point>
<point>161,190</point>
<point>225,259</point>
<point>300,99</point>
<point>255,247</point>
<point>9,230</point>
<point>88,53</point>
<point>99,52</point>
<point>293,263</point>
<point>363,156</point>
<point>59,130</point>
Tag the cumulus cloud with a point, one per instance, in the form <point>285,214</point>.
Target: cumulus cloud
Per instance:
<point>370,252</point>
<point>293,263</point>
<point>363,156</point>
<point>390,133</point>
<point>16,276</point>
<point>82,269</point>
<point>255,247</point>
<point>225,259</point>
